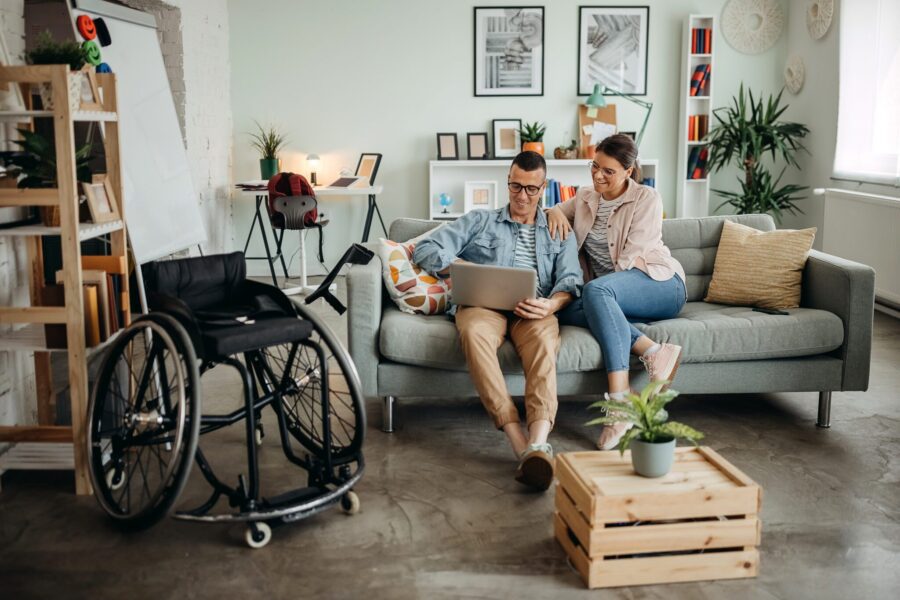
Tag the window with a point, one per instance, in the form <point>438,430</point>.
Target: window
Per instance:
<point>868,138</point>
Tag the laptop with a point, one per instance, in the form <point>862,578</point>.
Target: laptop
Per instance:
<point>489,286</point>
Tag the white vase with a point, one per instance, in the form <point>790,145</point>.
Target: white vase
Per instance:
<point>75,79</point>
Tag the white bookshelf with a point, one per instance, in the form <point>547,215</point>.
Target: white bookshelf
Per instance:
<point>450,177</point>
<point>692,197</point>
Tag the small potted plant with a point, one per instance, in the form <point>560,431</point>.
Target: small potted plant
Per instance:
<point>268,142</point>
<point>532,135</point>
<point>48,51</point>
<point>566,152</point>
<point>652,436</point>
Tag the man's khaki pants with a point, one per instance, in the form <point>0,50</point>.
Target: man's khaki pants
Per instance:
<point>481,332</point>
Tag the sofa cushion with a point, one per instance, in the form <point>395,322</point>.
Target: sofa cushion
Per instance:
<point>708,333</point>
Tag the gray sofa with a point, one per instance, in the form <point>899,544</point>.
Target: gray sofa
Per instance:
<point>823,346</point>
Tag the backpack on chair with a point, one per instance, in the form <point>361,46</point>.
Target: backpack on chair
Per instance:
<point>291,184</point>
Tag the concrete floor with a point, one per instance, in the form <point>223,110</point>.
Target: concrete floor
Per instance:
<point>442,516</point>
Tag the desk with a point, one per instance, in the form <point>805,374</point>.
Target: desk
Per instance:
<point>262,195</point>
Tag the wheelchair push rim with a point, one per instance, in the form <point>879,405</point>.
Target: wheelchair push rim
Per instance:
<point>144,421</point>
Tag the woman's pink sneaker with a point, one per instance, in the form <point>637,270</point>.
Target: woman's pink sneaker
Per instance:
<point>663,364</point>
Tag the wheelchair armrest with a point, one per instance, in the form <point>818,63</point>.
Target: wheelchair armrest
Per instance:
<point>251,289</point>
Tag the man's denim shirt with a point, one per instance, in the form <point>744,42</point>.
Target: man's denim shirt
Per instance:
<point>488,237</point>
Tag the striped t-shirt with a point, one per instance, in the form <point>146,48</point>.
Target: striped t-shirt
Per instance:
<point>597,242</point>
<point>526,254</point>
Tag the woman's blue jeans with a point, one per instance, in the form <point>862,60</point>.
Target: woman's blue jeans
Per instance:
<point>609,304</point>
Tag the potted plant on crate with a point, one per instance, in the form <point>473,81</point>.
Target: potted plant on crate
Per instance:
<point>268,142</point>
<point>652,436</point>
<point>566,152</point>
<point>532,135</point>
<point>48,51</point>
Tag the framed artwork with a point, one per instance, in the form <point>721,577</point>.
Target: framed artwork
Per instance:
<point>507,141</point>
<point>478,146</point>
<point>101,201</point>
<point>612,48</point>
<point>90,92</point>
<point>367,166</point>
<point>509,51</point>
<point>448,146</point>
<point>480,194</point>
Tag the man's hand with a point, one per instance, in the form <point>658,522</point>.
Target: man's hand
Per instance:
<point>535,308</point>
<point>558,224</point>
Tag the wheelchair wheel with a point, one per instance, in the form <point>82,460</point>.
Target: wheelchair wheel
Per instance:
<point>298,371</point>
<point>144,421</point>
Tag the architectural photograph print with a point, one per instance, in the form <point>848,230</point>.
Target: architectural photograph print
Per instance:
<point>509,51</point>
<point>612,48</point>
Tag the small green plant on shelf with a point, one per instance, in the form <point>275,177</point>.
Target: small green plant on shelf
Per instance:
<point>566,152</point>
<point>47,51</point>
<point>744,134</point>
<point>532,132</point>
<point>37,161</point>
<point>646,412</point>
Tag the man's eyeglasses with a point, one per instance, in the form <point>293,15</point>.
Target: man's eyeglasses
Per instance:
<point>530,190</point>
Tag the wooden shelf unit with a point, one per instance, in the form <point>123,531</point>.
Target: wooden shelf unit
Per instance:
<point>39,446</point>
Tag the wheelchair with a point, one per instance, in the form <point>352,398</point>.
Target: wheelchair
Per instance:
<point>145,415</point>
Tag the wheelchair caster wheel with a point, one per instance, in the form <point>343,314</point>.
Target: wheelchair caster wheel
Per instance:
<point>350,503</point>
<point>113,482</point>
<point>259,435</point>
<point>258,535</point>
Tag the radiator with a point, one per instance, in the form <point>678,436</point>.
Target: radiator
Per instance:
<point>866,228</point>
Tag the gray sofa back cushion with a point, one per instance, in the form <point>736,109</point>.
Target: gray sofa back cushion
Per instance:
<point>693,242</point>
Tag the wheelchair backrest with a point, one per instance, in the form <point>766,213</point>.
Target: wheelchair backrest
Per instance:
<point>199,282</point>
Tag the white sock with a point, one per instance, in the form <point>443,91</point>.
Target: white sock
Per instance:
<point>652,349</point>
<point>618,396</point>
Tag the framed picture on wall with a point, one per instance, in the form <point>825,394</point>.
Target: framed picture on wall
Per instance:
<point>478,146</point>
<point>507,142</point>
<point>612,48</point>
<point>480,194</point>
<point>448,146</point>
<point>509,51</point>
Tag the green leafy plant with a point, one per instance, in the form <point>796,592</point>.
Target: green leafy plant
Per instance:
<point>267,141</point>
<point>48,51</point>
<point>744,133</point>
<point>647,413</point>
<point>532,132</point>
<point>38,161</point>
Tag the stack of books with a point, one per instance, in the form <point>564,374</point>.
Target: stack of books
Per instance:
<point>700,80</point>
<point>555,193</point>
<point>697,162</point>
<point>698,127</point>
<point>649,181</point>
<point>701,41</point>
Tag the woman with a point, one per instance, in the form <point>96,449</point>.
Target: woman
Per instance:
<point>629,273</point>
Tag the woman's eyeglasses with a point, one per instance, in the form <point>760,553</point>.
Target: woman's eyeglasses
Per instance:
<point>530,190</point>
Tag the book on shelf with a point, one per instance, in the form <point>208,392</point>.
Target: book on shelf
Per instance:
<point>700,80</point>
<point>556,193</point>
<point>649,182</point>
<point>700,169</point>
<point>701,40</point>
<point>55,334</point>
<point>698,127</point>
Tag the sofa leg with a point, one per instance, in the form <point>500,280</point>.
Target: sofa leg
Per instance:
<point>387,414</point>
<point>824,419</point>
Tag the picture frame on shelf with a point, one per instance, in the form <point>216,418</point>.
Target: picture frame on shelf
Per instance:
<point>507,140</point>
<point>477,144</point>
<point>480,194</point>
<point>509,51</point>
<point>90,91</point>
<point>612,48</point>
<point>101,200</point>
<point>448,146</point>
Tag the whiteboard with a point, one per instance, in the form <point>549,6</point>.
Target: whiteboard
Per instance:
<point>161,207</point>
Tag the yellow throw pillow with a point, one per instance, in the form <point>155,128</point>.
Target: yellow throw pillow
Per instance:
<point>759,268</point>
<point>413,290</point>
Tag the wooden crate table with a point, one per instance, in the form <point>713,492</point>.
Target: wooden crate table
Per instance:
<point>699,522</point>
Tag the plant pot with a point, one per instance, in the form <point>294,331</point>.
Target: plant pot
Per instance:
<point>652,459</point>
<point>565,153</point>
<point>76,79</point>
<point>534,147</point>
<point>268,168</point>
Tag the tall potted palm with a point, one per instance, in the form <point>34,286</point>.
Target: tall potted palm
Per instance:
<point>268,142</point>
<point>744,133</point>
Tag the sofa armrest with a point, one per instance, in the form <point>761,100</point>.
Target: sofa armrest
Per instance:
<point>847,289</point>
<point>364,296</point>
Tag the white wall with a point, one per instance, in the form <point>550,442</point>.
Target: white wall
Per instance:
<point>344,77</point>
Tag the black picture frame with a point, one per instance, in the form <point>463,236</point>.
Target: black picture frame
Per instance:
<point>500,152</point>
<point>442,156</point>
<point>587,88</point>
<point>484,70</point>
<point>365,160</point>
<point>631,134</point>
<point>483,136</point>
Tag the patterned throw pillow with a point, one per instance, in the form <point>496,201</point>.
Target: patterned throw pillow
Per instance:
<point>413,290</point>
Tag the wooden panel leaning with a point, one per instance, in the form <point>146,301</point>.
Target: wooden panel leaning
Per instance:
<point>699,522</point>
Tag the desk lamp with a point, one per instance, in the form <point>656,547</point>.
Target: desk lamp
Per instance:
<point>597,99</point>
<point>313,160</point>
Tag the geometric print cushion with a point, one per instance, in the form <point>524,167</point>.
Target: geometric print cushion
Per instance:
<point>412,289</point>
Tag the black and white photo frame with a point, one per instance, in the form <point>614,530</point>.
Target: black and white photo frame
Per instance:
<point>612,48</point>
<point>509,50</point>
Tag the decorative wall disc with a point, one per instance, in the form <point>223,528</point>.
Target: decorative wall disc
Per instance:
<point>818,17</point>
<point>752,26</point>
<point>794,74</point>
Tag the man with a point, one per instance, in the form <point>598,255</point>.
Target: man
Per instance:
<point>513,236</point>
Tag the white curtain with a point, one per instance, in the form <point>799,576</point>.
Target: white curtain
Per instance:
<point>868,138</point>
